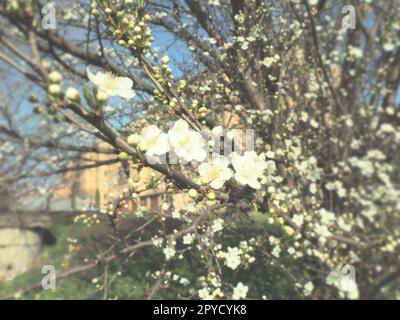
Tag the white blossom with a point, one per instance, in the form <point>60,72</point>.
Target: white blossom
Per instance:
<point>188,144</point>
<point>112,85</point>
<point>240,291</point>
<point>188,239</point>
<point>232,258</point>
<point>249,168</point>
<point>308,288</point>
<point>169,252</point>
<point>204,294</point>
<point>217,225</point>
<point>154,141</point>
<point>216,171</point>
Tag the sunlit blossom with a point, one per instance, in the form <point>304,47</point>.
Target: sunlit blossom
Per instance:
<point>249,168</point>
<point>154,141</point>
<point>112,85</point>
<point>240,291</point>
<point>216,171</point>
<point>187,144</point>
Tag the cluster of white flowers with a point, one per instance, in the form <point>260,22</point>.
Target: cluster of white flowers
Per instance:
<point>338,177</point>
<point>232,257</point>
<point>249,168</point>
<point>275,242</point>
<point>204,294</point>
<point>211,287</point>
<point>346,285</point>
<point>188,238</point>
<point>188,145</point>
<point>169,252</point>
<point>157,242</point>
<point>218,225</point>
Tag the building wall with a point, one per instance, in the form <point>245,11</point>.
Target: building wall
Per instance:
<point>104,180</point>
<point>19,249</point>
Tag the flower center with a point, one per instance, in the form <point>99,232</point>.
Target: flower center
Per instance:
<point>214,174</point>
<point>184,143</point>
<point>110,81</point>
<point>152,142</point>
<point>109,84</point>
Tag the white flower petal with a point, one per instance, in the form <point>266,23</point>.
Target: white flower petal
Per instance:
<point>217,184</point>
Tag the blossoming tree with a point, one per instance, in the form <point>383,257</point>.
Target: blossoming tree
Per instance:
<point>307,188</point>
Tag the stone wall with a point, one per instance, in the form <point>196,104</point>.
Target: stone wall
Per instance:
<point>21,241</point>
<point>18,250</point>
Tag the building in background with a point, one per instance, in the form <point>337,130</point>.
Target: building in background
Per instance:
<point>96,187</point>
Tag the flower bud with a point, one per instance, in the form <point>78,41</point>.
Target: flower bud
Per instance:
<point>134,139</point>
<point>137,29</point>
<point>165,60</point>
<point>118,33</point>
<point>211,196</point>
<point>123,156</point>
<point>134,165</point>
<point>172,104</point>
<point>13,6</point>
<point>147,18</point>
<point>142,147</point>
<point>37,110</point>
<point>101,96</point>
<point>33,98</point>
<point>72,94</point>
<point>54,89</point>
<point>193,193</point>
<point>55,77</point>
<point>182,83</point>
<point>289,230</point>
<point>197,180</point>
